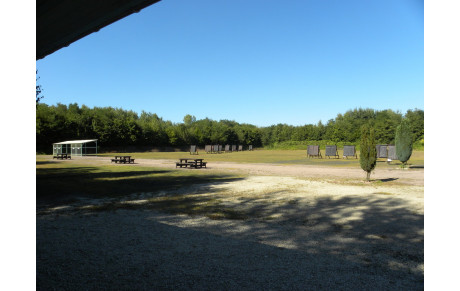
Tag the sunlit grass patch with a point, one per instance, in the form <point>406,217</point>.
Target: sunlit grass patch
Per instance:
<point>288,157</point>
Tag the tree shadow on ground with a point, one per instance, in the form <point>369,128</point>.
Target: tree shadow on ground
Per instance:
<point>387,180</point>
<point>310,248</point>
<point>64,185</point>
<point>416,167</point>
<point>45,162</point>
<point>380,233</point>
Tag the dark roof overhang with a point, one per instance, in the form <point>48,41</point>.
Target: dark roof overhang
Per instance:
<point>62,22</point>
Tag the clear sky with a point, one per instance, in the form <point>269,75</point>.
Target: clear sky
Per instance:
<point>257,62</point>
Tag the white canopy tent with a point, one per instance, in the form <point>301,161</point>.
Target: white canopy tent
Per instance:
<point>76,147</point>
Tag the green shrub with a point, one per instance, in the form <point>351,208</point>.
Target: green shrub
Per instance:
<point>368,152</point>
<point>403,141</point>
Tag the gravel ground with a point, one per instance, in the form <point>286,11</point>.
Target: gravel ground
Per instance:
<point>313,235</point>
<point>141,250</point>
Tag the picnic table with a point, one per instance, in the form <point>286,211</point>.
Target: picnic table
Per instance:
<point>191,163</point>
<point>122,159</point>
<point>62,156</point>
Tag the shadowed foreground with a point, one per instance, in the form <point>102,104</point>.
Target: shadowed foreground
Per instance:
<point>147,250</point>
<point>192,232</point>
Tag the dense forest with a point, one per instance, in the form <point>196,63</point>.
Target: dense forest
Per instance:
<point>115,127</point>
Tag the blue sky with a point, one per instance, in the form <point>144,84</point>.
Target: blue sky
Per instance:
<point>257,62</point>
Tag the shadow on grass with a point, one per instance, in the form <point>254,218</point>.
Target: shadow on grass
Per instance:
<point>93,173</point>
<point>388,180</point>
<point>63,185</point>
<point>45,162</point>
<point>416,167</point>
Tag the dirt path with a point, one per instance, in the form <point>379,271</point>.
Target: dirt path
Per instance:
<point>407,176</point>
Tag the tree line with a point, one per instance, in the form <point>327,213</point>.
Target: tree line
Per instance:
<point>114,127</point>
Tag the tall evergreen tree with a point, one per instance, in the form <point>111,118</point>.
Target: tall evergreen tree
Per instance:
<point>403,142</point>
<point>368,152</point>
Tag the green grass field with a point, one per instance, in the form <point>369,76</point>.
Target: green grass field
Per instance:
<point>62,183</point>
<point>295,157</point>
<point>57,179</point>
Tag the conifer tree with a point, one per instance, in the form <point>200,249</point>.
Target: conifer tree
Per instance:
<point>403,142</point>
<point>368,152</point>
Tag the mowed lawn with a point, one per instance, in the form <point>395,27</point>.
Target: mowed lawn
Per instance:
<point>297,157</point>
<point>57,180</point>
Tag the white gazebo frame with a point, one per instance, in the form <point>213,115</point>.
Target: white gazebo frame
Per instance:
<point>75,147</point>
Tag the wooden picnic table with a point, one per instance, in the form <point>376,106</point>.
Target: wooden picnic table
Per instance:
<point>122,159</point>
<point>191,163</point>
<point>62,156</point>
